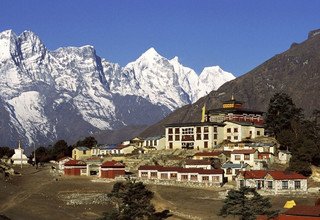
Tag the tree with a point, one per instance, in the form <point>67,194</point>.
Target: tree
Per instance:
<point>89,142</point>
<point>246,203</point>
<point>281,112</point>
<point>59,149</point>
<point>6,151</point>
<point>132,202</point>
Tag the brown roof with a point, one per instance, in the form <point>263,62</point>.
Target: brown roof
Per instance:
<point>304,210</point>
<point>75,163</point>
<point>249,151</point>
<point>198,162</point>
<point>276,174</point>
<point>209,154</point>
<point>113,163</point>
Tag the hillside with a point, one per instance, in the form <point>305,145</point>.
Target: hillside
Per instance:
<point>295,71</point>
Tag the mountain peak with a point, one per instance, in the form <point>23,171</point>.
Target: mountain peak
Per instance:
<point>175,59</point>
<point>151,53</point>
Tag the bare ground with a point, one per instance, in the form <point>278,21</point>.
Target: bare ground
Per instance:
<point>38,194</point>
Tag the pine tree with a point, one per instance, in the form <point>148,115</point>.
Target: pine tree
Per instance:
<point>132,202</point>
<point>246,203</point>
<point>281,113</point>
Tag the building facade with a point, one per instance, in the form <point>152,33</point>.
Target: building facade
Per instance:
<point>75,168</point>
<point>179,174</point>
<point>112,169</point>
<point>273,181</point>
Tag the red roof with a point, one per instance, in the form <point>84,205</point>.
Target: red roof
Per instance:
<point>276,174</point>
<point>304,210</point>
<point>254,174</point>
<point>113,163</point>
<point>198,162</point>
<point>285,175</point>
<point>249,151</point>
<point>75,163</point>
<point>63,158</point>
<point>181,169</point>
<point>209,154</point>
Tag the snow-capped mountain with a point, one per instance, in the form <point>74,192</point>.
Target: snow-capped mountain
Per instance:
<point>70,92</point>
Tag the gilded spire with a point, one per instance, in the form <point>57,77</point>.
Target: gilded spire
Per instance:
<point>232,97</point>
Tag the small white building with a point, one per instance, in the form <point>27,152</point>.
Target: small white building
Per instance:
<point>284,156</point>
<point>19,157</point>
<point>212,177</point>
<point>273,181</point>
<point>245,156</point>
<point>157,142</point>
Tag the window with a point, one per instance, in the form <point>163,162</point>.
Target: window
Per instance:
<point>235,130</point>
<point>84,152</point>
<point>229,171</point>
<point>194,177</point>
<point>229,137</point>
<point>177,130</point>
<point>198,129</point>
<point>236,171</point>
<point>144,174</point>
<point>270,184</point>
<point>247,156</point>
<point>235,137</point>
<point>205,136</point>
<point>206,144</point>
<point>153,174</point>
<point>284,184</point>
<point>198,136</point>
<point>237,157</point>
<point>170,137</point>
<point>177,137</point>
<point>173,176</point>
<point>187,130</point>
<point>250,132</point>
<point>205,178</point>
<point>216,179</point>
<point>258,133</point>
<point>170,131</point>
<point>215,129</point>
<point>297,184</point>
<point>215,136</point>
<point>206,129</point>
<point>228,130</point>
<point>164,176</point>
<point>215,143</point>
<point>170,145</point>
<point>184,177</point>
<point>241,183</point>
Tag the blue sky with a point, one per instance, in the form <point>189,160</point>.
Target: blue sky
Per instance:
<point>237,35</point>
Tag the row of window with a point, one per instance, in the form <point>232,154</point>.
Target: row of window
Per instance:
<point>191,130</point>
<point>285,184</point>
<point>184,177</point>
<point>189,137</point>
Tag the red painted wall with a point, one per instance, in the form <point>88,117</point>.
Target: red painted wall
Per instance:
<point>111,173</point>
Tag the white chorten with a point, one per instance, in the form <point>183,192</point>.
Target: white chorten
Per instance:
<point>19,157</point>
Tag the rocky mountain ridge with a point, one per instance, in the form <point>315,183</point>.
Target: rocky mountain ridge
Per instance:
<point>72,92</point>
<point>295,72</point>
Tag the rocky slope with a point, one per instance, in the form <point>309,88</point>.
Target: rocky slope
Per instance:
<point>295,71</point>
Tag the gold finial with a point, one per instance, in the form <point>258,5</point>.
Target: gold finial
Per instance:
<point>19,144</point>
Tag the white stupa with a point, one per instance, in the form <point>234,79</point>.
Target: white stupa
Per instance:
<point>18,157</point>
